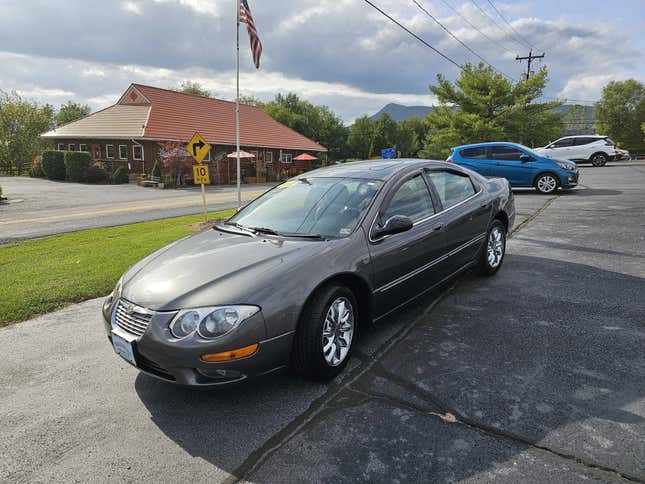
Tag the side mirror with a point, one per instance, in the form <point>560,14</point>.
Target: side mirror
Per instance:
<point>524,158</point>
<point>394,225</point>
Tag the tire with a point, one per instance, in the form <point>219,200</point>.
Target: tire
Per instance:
<point>493,251</point>
<point>599,159</point>
<point>546,183</point>
<point>316,355</point>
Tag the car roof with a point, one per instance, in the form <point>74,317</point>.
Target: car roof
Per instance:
<point>599,136</point>
<point>371,169</point>
<point>489,143</point>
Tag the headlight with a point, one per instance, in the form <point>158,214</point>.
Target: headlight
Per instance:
<point>565,166</point>
<point>211,322</point>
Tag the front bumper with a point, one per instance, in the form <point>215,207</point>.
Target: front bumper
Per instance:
<point>159,354</point>
<point>569,179</point>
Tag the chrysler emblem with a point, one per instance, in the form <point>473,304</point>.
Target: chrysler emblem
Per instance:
<point>129,308</point>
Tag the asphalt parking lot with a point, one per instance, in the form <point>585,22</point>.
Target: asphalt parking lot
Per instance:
<point>39,207</point>
<point>534,375</point>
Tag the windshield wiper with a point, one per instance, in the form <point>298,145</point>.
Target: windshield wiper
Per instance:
<point>269,231</point>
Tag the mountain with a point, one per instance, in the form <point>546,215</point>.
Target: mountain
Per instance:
<point>398,112</point>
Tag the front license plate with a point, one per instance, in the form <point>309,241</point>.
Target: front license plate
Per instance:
<point>123,348</point>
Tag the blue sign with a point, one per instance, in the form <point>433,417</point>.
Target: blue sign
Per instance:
<point>387,153</point>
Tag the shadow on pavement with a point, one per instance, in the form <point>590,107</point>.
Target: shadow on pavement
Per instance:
<point>534,374</point>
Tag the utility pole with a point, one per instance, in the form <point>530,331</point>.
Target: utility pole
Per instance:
<point>529,58</point>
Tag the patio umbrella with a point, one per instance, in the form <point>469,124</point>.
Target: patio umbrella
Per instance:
<point>305,157</point>
<point>243,154</point>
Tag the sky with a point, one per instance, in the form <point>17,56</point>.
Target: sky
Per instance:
<point>341,53</point>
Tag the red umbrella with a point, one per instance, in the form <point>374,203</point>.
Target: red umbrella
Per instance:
<point>243,154</point>
<point>305,157</point>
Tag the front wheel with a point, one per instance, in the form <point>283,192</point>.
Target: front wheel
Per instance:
<point>493,251</point>
<point>599,159</point>
<point>546,183</point>
<point>326,333</point>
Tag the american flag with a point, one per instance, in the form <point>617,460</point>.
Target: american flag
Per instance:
<point>256,45</point>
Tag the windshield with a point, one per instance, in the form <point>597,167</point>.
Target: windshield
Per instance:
<point>329,207</point>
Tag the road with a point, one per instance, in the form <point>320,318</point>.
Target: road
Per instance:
<point>41,207</point>
<point>534,375</point>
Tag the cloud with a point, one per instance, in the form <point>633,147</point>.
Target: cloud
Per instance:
<point>340,52</point>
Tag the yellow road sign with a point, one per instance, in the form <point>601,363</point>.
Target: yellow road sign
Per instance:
<point>198,147</point>
<point>201,176</point>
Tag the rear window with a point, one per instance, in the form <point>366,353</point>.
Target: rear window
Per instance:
<point>471,153</point>
<point>505,153</point>
<point>585,141</point>
<point>562,143</point>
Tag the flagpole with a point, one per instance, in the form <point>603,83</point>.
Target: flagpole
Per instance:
<point>237,105</point>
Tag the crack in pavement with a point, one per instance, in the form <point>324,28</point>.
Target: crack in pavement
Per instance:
<point>448,414</point>
<point>529,219</point>
<point>323,403</point>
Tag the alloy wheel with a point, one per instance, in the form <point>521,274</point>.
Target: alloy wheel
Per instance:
<point>495,247</point>
<point>599,160</point>
<point>547,184</point>
<point>338,331</point>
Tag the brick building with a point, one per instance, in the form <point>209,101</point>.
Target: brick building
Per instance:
<point>129,132</point>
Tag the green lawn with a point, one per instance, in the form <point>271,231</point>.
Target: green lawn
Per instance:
<point>39,275</point>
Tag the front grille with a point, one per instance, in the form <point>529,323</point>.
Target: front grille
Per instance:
<point>152,367</point>
<point>132,318</point>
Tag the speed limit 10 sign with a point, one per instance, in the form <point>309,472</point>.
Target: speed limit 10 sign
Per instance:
<point>201,175</point>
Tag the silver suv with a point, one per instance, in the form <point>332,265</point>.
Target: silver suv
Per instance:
<point>594,149</point>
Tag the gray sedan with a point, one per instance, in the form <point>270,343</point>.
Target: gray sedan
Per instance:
<point>288,280</point>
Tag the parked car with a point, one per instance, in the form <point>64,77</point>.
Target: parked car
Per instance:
<point>520,165</point>
<point>288,279</point>
<point>622,154</point>
<point>597,150</point>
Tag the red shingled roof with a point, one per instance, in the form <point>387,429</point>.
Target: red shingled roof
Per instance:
<point>175,115</point>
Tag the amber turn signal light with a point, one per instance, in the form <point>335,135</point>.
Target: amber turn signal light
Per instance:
<point>231,355</point>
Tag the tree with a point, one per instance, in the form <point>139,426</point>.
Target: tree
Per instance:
<point>318,123</point>
<point>576,118</point>
<point>385,134</point>
<point>621,112</point>
<point>251,101</point>
<point>21,124</point>
<point>71,111</point>
<point>481,105</point>
<point>359,138</point>
<point>411,133</point>
<point>190,87</point>
<point>176,160</point>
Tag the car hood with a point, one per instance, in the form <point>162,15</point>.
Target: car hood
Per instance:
<point>210,268</point>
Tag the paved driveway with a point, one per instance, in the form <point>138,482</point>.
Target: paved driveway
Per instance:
<point>534,375</point>
<point>41,207</point>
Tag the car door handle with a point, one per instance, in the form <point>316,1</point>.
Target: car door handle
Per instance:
<point>437,227</point>
<point>484,205</point>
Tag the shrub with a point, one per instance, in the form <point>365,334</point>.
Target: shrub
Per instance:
<point>76,163</point>
<point>53,164</point>
<point>95,174</point>
<point>36,170</point>
<point>156,170</point>
<point>120,176</point>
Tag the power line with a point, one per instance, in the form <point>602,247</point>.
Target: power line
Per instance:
<point>459,40</point>
<point>452,61</point>
<point>528,44</point>
<point>494,21</point>
<point>529,59</point>
<point>476,28</point>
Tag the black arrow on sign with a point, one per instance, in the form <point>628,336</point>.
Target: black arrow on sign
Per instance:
<point>197,146</point>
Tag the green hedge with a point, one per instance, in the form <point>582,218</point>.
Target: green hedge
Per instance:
<point>53,164</point>
<point>95,174</point>
<point>76,163</point>
<point>120,176</point>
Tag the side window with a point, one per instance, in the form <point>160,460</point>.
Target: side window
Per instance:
<point>474,153</point>
<point>412,199</point>
<point>451,187</point>
<point>505,153</point>
<point>563,143</point>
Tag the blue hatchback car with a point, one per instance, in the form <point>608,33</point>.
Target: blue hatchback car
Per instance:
<point>520,165</point>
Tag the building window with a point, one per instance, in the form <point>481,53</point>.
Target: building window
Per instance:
<point>123,152</point>
<point>268,156</point>
<point>109,152</point>
<point>208,156</point>
<point>255,154</point>
<point>137,152</point>
<point>71,147</point>
<point>82,147</point>
<point>60,146</point>
<point>286,157</point>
